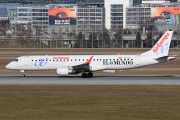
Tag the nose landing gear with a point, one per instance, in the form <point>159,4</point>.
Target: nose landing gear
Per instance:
<point>23,73</point>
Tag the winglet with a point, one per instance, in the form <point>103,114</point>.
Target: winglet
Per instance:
<point>89,61</point>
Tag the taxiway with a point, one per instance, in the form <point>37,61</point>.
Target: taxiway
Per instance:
<point>96,80</point>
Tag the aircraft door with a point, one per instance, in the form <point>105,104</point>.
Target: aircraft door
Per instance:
<point>21,61</point>
<point>26,60</point>
<point>137,59</point>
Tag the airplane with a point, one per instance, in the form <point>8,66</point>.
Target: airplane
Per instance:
<point>87,64</point>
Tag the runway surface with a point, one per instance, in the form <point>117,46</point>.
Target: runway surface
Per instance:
<point>96,80</point>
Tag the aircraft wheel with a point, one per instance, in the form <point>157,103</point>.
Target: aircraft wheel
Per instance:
<point>90,74</point>
<point>84,75</point>
<point>23,75</point>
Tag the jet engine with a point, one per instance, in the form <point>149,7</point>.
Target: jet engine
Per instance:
<point>63,71</point>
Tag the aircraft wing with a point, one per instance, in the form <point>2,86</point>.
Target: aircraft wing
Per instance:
<point>83,67</point>
<point>163,57</point>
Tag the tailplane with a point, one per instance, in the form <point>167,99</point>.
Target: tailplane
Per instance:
<point>161,48</point>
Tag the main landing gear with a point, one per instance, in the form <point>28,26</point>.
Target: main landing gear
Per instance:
<point>89,75</point>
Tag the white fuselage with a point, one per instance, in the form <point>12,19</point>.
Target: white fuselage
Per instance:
<point>98,62</point>
<point>73,64</point>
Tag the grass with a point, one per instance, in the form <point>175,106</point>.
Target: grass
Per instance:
<point>50,102</point>
<point>89,102</point>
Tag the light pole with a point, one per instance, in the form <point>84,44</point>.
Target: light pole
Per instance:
<point>69,29</point>
<point>81,43</point>
<point>92,39</point>
<point>122,38</point>
<point>102,39</point>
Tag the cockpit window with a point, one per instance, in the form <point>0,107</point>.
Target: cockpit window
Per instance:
<point>16,60</point>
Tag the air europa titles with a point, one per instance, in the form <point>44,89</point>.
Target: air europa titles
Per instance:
<point>60,58</point>
<point>118,62</point>
<point>159,44</point>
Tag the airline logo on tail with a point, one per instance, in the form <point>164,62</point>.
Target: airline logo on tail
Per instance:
<point>159,47</point>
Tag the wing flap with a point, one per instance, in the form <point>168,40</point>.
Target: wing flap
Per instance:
<point>81,67</point>
<point>85,66</point>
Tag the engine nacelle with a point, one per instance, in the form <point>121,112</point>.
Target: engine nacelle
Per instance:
<point>63,71</point>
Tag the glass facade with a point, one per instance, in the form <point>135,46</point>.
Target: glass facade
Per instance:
<point>137,16</point>
<point>39,2</point>
<point>24,15</point>
<point>140,16</point>
<point>90,16</point>
<point>90,19</point>
<point>116,17</point>
<point>12,12</point>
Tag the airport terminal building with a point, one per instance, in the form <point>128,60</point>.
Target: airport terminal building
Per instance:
<point>90,16</point>
<point>87,16</point>
<point>93,15</point>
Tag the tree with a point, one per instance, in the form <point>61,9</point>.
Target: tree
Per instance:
<point>92,41</point>
<point>79,38</point>
<point>29,30</point>
<point>67,30</point>
<point>138,40</point>
<point>148,40</point>
<point>160,35</point>
<point>118,38</point>
<point>104,38</point>
<point>60,30</point>
<point>73,30</point>
<point>127,31</point>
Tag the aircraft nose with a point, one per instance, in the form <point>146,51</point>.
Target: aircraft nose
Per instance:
<point>7,66</point>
